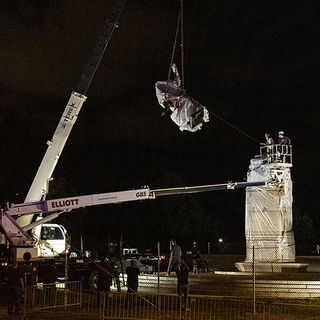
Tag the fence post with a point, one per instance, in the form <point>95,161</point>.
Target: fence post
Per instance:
<point>158,273</point>
<point>66,272</point>
<point>254,280</point>
<point>24,302</point>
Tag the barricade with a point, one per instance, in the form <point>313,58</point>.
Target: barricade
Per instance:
<point>71,302</point>
<point>168,307</point>
<point>53,295</point>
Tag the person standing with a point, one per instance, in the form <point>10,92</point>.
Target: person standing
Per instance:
<point>49,275</point>
<point>104,274</point>
<point>116,274</point>
<point>269,139</point>
<point>182,272</point>
<point>283,139</point>
<point>175,256</point>
<point>132,277</point>
<point>268,146</point>
<point>283,149</point>
<point>195,256</point>
<point>15,286</point>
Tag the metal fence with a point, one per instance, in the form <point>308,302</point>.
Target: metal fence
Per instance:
<point>117,305</point>
<point>72,302</point>
<point>52,296</point>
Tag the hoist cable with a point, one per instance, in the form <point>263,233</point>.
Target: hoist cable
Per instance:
<point>174,48</point>
<point>182,44</point>
<point>180,28</point>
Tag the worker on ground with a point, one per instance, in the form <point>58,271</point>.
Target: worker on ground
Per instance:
<point>186,112</point>
<point>104,281</point>
<point>132,283</point>
<point>15,285</point>
<point>132,277</point>
<point>182,272</point>
<point>49,276</point>
<point>175,256</point>
<point>195,256</point>
<point>116,274</point>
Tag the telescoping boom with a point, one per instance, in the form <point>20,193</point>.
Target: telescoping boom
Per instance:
<point>53,208</point>
<point>39,186</point>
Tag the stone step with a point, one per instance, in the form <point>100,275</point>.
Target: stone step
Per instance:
<point>233,285</point>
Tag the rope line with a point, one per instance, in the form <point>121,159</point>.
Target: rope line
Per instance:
<point>236,128</point>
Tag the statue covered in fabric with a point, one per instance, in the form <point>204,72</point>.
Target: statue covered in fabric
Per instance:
<point>185,111</point>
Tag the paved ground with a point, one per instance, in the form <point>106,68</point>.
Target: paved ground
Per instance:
<point>221,282</point>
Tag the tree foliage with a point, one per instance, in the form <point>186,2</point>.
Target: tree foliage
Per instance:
<point>304,231</point>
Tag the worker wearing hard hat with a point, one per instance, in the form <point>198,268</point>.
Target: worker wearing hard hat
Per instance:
<point>283,139</point>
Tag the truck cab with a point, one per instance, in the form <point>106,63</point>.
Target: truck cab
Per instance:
<point>52,239</point>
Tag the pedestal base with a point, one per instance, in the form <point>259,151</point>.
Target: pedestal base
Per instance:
<point>289,267</point>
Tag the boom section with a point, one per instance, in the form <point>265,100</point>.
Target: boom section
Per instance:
<point>53,208</point>
<point>39,186</point>
<point>100,47</point>
<point>205,188</point>
<point>71,203</point>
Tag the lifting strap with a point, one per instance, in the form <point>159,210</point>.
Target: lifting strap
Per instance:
<point>179,28</point>
<point>198,115</point>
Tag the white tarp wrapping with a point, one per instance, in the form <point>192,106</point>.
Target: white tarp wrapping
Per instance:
<point>187,113</point>
<point>269,215</point>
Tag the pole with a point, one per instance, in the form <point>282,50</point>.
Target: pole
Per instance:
<point>121,260</point>
<point>254,280</point>
<point>25,293</point>
<point>65,272</point>
<point>158,289</point>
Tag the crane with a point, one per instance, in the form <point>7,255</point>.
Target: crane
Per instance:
<point>40,184</point>
<point>18,236</point>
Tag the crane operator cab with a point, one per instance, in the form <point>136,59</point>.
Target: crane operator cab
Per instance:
<point>52,239</point>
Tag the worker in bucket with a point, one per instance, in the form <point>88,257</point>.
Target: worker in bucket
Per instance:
<point>186,112</point>
<point>283,148</point>
<point>175,256</point>
<point>268,144</point>
<point>283,139</point>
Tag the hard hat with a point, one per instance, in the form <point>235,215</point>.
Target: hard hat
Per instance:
<point>281,132</point>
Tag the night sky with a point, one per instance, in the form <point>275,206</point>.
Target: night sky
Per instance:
<point>254,64</point>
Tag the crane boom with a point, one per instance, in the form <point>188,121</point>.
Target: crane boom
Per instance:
<point>55,207</point>
<point>39,186</point>
<point>205,188</point>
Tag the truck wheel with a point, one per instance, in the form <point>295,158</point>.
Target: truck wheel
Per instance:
<point>92,280</point>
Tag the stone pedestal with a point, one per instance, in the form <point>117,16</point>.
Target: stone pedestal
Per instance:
<point>262,267</point>
<point>268,222</point>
